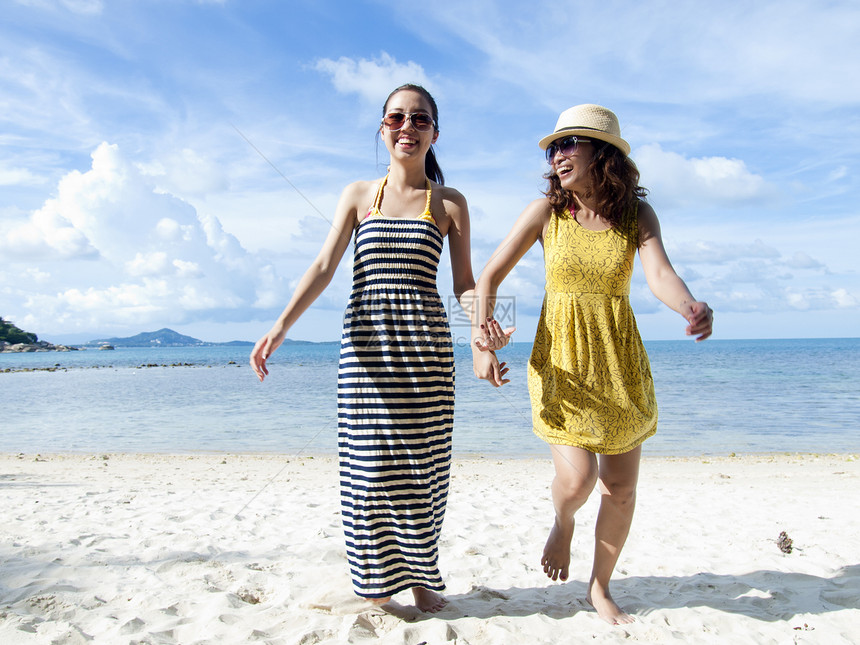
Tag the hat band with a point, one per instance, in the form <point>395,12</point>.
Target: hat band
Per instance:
<point>585,127</point>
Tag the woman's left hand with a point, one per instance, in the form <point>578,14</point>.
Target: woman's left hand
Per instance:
<point>701,319</point>
<point>493,336</point>
<point>488,368</point>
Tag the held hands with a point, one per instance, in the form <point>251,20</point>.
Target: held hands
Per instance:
<point>484,361</point>
<point>493,336</point>
<point>487,367</point>
<point>262,350</point>
<point>701,319</point>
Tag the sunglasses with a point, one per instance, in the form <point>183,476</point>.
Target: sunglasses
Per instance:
<point>566,147</point>
<point>421,121</point>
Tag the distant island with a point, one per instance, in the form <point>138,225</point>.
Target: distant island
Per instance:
<point>169,338</point>
<point>161,338</point>
<point>13,339</point>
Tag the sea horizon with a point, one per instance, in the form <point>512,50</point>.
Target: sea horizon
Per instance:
<point>89,344</point>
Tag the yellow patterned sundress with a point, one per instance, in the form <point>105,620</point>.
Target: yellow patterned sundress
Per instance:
<point>589,376</point>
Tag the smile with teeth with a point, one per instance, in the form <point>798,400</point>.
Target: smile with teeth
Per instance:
<point>407,141</point>
<point>563,170</point>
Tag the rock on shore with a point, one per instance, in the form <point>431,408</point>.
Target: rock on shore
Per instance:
<point>40,346</point>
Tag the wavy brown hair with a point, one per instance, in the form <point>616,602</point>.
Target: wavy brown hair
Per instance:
<point>614,184</point>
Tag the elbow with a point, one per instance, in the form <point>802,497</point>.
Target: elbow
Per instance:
<point>488,283</point>
<point>324,269</point>
<point>463,287</point>
<point>325,263</point>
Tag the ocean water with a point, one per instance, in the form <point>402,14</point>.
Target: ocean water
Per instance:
<point>715,398</point>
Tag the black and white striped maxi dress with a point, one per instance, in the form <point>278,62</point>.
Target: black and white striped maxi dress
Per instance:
<point>395,407</point>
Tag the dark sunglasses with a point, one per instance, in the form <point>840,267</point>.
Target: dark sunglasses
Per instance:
<point>566,147</point>
<point>421,121</point>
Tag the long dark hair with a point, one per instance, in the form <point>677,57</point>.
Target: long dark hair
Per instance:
<point>431,166</point>
<point>614,184</point>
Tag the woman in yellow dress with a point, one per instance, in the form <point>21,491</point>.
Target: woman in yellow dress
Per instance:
<point>589,377</point>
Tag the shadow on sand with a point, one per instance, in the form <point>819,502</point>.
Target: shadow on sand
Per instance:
<point>762,595</point>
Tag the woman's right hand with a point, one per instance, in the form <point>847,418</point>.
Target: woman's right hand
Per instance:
<point>263,349</point>
<point>701,319</point>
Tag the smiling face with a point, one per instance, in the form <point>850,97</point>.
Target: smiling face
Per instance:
<point>408,141</point>
<point>572,171</point>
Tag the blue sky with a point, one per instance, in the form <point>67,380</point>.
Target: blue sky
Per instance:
<point>131,198</point>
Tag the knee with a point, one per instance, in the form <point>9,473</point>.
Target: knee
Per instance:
<point>574,490</point>
<point>620,493</point>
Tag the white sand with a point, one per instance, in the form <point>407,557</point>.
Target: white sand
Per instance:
<point>149,549</point>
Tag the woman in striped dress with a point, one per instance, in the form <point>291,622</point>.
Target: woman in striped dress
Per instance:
<point>396,372</point>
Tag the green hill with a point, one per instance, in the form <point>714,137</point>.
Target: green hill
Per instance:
<point>13,335</point>
<point>161,338</point>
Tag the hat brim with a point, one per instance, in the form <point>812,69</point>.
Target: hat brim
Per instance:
<point>591,133</point>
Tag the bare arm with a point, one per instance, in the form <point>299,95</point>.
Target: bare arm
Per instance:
<point>664,282</point>
<point>460,247</point>
<point>316,278</point>
<point>461,255</point>
<point>527,230</point>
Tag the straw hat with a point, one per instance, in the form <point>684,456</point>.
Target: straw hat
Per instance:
<point>589,120</point>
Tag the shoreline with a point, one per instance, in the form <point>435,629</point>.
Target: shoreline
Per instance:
<point>238,548</point>
<point>849,456</point>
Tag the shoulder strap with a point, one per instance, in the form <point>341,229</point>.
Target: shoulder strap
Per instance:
<point>378,200</point>
<point>428,212</point>
<point>374,209</point>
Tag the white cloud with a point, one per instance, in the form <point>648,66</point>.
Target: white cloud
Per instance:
<point>803,261</point>
<point>680,181</point>
<point>707,252</point>
<point>372,79</point>
<point>38,94</point>
<point>37,275</point>
<point>101,211</point>
<point>19,177</point>
<point>845,300</point>
<point>86,7</point>
<point>821,298</point>
<point>45,234</point>
<point>711,52</point>
<point>187,172</point>
<point>186,269</point>
<point>169,230</point>
<point>838,173</point>
<point>147,264</point>
<point>147,256</point>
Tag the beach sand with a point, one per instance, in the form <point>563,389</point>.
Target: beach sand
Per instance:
<point>248,548</point>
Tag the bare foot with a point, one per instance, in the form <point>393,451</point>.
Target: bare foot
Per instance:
<point>556,551</point>
<point>600,598</point>
<point>379,601</point>
<point>427,600</point>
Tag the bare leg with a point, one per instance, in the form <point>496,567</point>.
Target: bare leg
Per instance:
<point>575,476</point>
<point>427,600</point>
<point>618,477</point>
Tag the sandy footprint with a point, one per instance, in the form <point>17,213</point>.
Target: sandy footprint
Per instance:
<point>340,604</point>
<point>369,625</point>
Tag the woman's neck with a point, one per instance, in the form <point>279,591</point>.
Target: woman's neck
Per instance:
<point>582,206</point>
<point>413,177</point>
